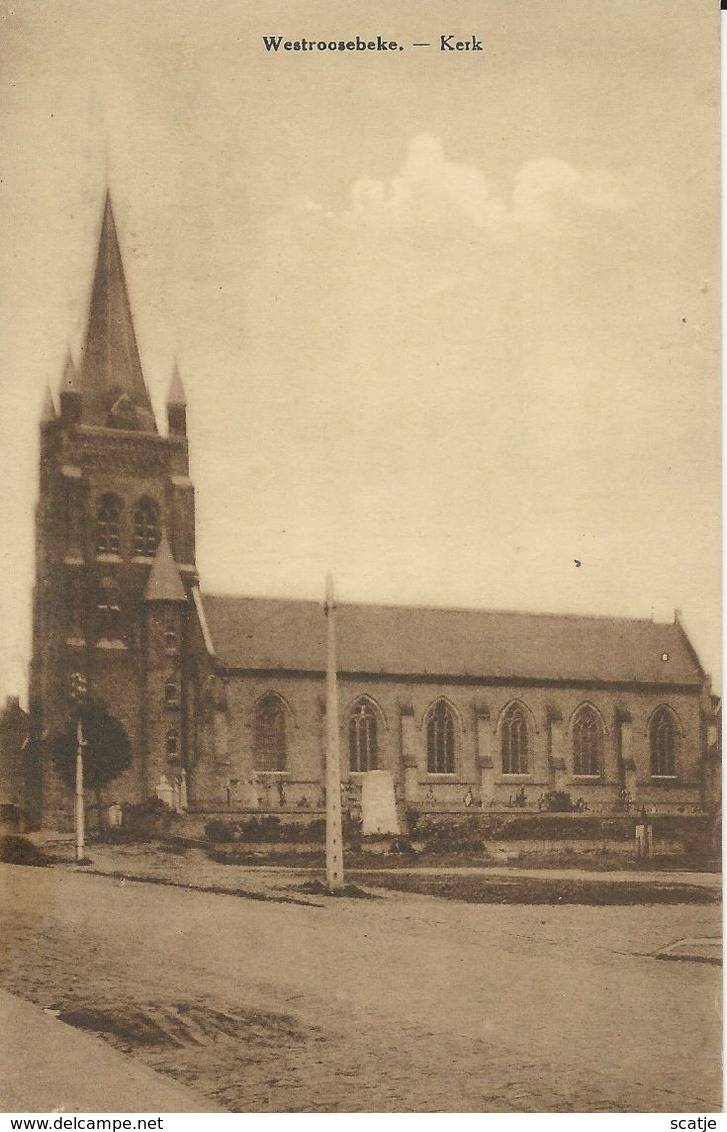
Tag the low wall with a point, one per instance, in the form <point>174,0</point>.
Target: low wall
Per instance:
<point>474,836</point>
<point>663,847</point>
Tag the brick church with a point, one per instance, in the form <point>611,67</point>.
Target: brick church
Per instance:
<point>223,698</point>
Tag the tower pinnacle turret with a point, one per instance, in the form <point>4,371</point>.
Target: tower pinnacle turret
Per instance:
<point>70,392</point>
<point>48,412</point>
<point>177,404</point>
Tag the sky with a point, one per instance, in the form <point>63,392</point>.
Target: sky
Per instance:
<point>448,323</point>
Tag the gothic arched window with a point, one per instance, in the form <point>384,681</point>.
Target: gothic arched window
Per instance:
<point>270,739</point>
<point>146,528</point>
<point>171,694</point>
<point>514,741</point>
<point>108,609</point>
<point>362,737</point>
<point>663,743</point>
<point>108,525</point>
<point>172,743</point>
<point>587,741</point>
<point>440,739</point>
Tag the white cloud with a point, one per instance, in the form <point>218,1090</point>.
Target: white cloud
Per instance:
<point>430,191</point>
<point>540,185</point>
<point>427,190</point>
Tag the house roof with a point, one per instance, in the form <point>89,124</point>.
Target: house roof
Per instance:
<point>277,634</point>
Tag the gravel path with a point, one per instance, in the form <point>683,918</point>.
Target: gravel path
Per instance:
<point>407,1003</point>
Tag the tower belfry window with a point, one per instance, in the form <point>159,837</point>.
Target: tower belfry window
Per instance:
<point>108,525</point>
<point>146,528</point>
<point>171,694</point>
<point>108,608</point>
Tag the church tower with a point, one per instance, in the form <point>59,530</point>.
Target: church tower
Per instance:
<point>115,550</point>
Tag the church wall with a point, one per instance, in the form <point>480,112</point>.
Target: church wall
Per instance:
<point>226,773</point>
<point>180,507</point>
<point>164,694</point>
<point>402,707</point>
<point>117,681</point>
<point>204,778</point>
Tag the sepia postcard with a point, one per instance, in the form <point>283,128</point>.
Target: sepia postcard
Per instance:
<point>360,628</point>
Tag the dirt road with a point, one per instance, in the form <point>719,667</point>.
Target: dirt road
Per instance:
<point>404,1003</point>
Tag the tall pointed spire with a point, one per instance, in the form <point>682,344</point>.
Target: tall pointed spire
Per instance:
<point>111,368</point>
<point>176,405</point>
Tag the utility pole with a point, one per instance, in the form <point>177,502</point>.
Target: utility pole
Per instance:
<point>79,691</point>
<point>334,837</point>
<point>80,807</point>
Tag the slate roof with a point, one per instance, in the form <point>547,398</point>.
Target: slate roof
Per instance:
<point>277,634</point>
<point>164,582</point>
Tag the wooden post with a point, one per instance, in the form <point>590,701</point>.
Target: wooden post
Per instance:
<point>80,809</point>
<point>334,837</point>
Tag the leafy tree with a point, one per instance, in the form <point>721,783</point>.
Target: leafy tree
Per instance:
<point>107,750</point>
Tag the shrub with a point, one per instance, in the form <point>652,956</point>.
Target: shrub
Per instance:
<point>451,835</point>
<point>454,833</point>
<point>142,821</point>
<point>266,828</point>
<point>219,832</point>
<point>314,830</point>
<point>351,830</point>
<point>558,802</point>
<point>19,851</point>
